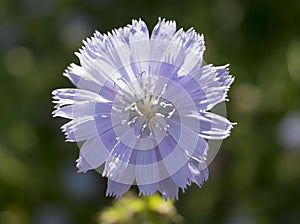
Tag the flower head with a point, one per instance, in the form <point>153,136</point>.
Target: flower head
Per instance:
<point>142,107</point>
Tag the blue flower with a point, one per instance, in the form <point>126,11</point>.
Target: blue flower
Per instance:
<point>142,108</point>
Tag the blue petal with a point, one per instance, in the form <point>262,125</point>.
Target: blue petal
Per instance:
<point>194,89</point>
<point>163,31</point>
<point>117,166</point>
<point>80,129</point>
<point>92,155</point>
<point>183,177</point>
<point>193,45</point>
<point>183,50</point>
<point>168,189</point>
<point>215,83</point>
<point>161,36</point>
<point>145,157</point>
<point>173,157</point>
<point>109,139</point>
<point>162,68</point>
<point>147,169</point>
<point>81,109</point>
<point>207,125</point>
<point>83,128</point>
<point>116,189</point>
<point>192,171</point>
<point>67,96</point>
<point>212,126</point>
<point>120,55</point>
<point>107,58</point>
<point>192,145</point>
<point>148,189</point>
<point>139,46</point>
<point>83,80</point>
<point>166,147</point>
<point>199,171</point>
<point>103,124</point>
<point>206,86</point>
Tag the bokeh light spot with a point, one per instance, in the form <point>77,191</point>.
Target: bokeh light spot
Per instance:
<point>293,60</point>
<point>228,14</point>
<point>9,217</point>
<point>50,213</point>
<point>12,170</point>
<point>289,131</point>
<point>246,97</point>
<point>73,29</point>
<point>83,187</point>
<point>25,135</point>
<point>18,61</point>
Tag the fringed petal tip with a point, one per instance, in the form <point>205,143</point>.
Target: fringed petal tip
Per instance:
<point>115,189</point>
<point>167,197</point>
<point>82,165</point>
<point>164,21</point>
<point>139,25</point>
<point>147,190</point>
<point>98,41</point>
<point>167,188</point>
<point>146,193</point>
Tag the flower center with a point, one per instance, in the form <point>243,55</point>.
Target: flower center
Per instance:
<point>147,114</point>
<point>147,107</point>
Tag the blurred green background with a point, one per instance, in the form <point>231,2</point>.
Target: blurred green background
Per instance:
<point>255,177</point>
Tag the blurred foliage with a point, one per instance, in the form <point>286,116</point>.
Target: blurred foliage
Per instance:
<point>255,177</point>
<point>131,209</point>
